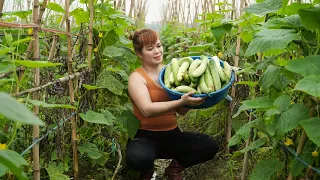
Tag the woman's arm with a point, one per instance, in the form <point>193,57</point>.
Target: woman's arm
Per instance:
<point>139,93</point>
<point>182,110</point>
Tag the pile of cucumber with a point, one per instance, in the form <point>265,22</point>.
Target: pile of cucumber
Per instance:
<point>202,75</point>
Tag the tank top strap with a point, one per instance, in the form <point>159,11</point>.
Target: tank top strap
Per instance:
<point>143,73</point>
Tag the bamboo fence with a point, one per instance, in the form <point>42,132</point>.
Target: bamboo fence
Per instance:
<point>33,49</point>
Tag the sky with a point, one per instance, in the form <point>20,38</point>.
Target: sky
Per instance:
<point>154,10</point>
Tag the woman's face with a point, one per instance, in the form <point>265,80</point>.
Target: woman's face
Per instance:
<point>152,54</point>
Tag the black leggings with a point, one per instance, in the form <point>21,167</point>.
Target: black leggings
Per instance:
<point>186,148</point>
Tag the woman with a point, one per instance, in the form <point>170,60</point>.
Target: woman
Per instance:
<point>159,135</point>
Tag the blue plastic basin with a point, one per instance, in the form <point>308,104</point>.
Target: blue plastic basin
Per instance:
<point>212,98</point>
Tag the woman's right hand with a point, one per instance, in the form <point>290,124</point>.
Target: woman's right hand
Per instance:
<point>188,100</point>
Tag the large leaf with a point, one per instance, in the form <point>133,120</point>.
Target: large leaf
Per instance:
<point>310,85</point>
<point>293,21</point>
<point>15,111</point>
<point>297,167</point>
<point>80,15</point>
<point>35,64</point>
<point>6,50</point>
<point>312,127</point>
<point>56,172</point>
<point>107,80</point>
<point>113,51</point>
<point>55,7</point>
<point>255,145</point>
<point>98,118</point>
<point>290,119</point>
<point>259,103</point>
<point>20,14</point>
<point>242,133</point>
<point>271,39</point>
<point>282,102</point>
<point>220,31</point>
<point>293,8</point>
<point>273,77</point>
<point>91,149</point>
<point>46,105</point>
<point>310,17</point>
<point>111,38</point>
<point>264,7</point>
<point>266,168</point>
<point>11,160</point>
<point>309,65</point>
<point>130,122</point>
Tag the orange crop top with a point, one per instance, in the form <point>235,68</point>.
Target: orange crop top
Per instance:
<point>164,122</point>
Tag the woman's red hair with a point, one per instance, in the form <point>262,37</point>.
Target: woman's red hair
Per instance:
<point>142,38</point>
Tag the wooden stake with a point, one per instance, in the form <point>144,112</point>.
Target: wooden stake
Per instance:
<point>71,94</point>
<point>63,79</point>
<point>90,44</point>
<point>36,94</point>
<point>1,7</point>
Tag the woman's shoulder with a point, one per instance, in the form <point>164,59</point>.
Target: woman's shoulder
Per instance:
<point>136,76</point>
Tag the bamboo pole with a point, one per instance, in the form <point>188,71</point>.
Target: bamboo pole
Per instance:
<point>1,7</point>
<point>63,79</point>
<point>71,94</point>
<point>36,94</point>
<point>90,44</point>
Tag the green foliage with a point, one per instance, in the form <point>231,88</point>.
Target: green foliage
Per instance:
<point>94,117</point>
<point>266,168</point>
<point>11,160</point>
<point>271,39</point>
<point>16,111</point>
<point>265,7</point>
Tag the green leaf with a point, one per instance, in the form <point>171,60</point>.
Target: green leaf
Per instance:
<point>35,64</point>
<point>254,145</point>
<point>11,160</point>
<point>98,118</point>
<point>80,15</point>
<point>270,77</point>
<point>266,168</point>
<point>243,132</point>
<point>309,85</point>
<point>107,80</point>
<point>309,65</point>
<point>297,167</point>
<point>6,50</point>
<point>310,17</point>
<point>265,7</point>
<point>21,41</point>
<point>113,51</point>
<point>282,102</point>
<point>45,105</point>
<point>271,39</point>
<point>220,31</point>
<point>290,119</point>
<point>55,172</point>
<point>90,149</point>
<point>293,8</point>
<point>311,126</point>
<point>293,21</point>
<point>130,122</point>
<point>15,111</point>
<point>259,103</point>
<point>246,36</point>
<point>55,7</point>
<point>90,87</point>
<point>111,38</point>
<point>20,14</point>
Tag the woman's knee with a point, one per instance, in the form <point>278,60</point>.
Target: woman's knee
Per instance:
<point>140,155</point>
